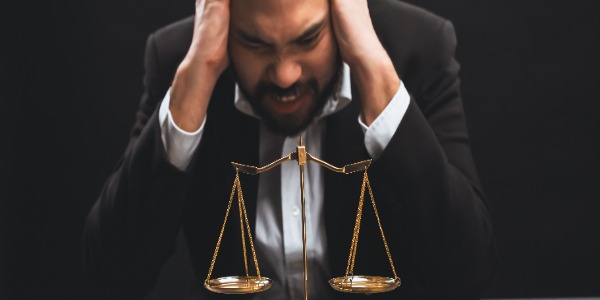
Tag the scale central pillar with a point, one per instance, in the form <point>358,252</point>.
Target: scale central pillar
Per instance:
<point>301,150</point>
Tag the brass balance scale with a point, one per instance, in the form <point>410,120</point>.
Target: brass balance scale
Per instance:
<point>348,283</point>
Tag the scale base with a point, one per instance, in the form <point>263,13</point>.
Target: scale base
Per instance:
<point>364,284</point>
<point>238,284</point>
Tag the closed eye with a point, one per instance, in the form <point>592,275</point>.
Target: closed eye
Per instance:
<point>308,41</point>
<point>255,45</point>
<point>251,42</point>
<point>312,35</point>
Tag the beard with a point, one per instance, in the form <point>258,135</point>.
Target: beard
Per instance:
<point>291,125</point>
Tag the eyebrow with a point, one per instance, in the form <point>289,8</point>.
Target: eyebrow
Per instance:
<point>311,31</point>
<point>308,33</point>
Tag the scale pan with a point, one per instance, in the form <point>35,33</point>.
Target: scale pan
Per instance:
<point>364,284</point>
<point>238,284</point>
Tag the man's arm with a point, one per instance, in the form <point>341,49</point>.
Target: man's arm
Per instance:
<point>369,62</point>
<point>429,167</point>
<point>204,63</point>
<point>131,229</point>
<point>427,164</point>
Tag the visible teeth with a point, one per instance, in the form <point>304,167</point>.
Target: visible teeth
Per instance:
<point>289,97</point>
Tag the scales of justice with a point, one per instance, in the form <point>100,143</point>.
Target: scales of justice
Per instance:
<point>348,283</point>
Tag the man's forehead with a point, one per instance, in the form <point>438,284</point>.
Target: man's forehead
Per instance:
<point>275,7</point>
<point>264,17</point>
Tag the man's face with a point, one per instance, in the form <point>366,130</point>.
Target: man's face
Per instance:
<point>285,58</point>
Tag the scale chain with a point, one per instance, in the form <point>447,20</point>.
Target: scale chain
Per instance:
<point>359,222</point>
<point>237,186</point>
<point>214,258</point>
<point>241,199</point>
<point>354,244</point>
<point>355,234</point>
<point>240,202</point>
<point>387,249</point>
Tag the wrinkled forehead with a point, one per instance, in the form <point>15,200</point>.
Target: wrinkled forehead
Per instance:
<point>277,19</point>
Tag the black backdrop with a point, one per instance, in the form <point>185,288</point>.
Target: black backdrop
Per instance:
<point>71,75</point>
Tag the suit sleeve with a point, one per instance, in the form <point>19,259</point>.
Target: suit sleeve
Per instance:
<point>131,229</point>
<point>438,201</point>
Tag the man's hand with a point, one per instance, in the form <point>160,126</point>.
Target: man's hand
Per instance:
<point>362,51</point>
<point>206,59</point>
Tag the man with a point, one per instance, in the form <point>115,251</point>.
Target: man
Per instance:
<point>240,82</point>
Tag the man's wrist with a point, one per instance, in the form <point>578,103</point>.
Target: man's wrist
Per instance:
<point>190,94</point>
<point>179,145</point>
<point>377,82</point>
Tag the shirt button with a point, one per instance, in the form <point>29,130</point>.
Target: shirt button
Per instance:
<point>295,211</point>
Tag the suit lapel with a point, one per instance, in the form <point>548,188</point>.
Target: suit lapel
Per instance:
<point>236,138</point>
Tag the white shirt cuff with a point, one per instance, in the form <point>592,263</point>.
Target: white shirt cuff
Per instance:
<point>179,144</point>
<point>379,134</point>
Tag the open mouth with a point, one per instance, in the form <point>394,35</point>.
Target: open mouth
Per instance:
<point>288,102</point>
<point>289,96</point>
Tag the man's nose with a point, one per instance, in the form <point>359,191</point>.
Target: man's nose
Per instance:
<point>285,72</point>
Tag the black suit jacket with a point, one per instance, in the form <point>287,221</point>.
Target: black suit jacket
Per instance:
<point>425,182</point>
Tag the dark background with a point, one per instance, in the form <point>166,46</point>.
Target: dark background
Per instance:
<point>71,76</point>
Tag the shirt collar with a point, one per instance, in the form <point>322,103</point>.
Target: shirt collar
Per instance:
<point>339,99</point>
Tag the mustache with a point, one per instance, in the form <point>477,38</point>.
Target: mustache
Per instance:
<point>265,88</point>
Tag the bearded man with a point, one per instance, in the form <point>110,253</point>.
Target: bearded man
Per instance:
<point>241,81</point>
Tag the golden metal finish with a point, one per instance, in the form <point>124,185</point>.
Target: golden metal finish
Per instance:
<point>238,284</point>
<point>304,255</point>
<point>364,284</point>
<point>347,169</point>
<point>252,170</point>
<point>301,155</point>
<point>348,283</point>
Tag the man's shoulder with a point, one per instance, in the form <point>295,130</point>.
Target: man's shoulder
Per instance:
<point>413,38</point>
<point>395,19</point>
<point>398,10</point>
<point>171,42</point>
<point>181,29</point>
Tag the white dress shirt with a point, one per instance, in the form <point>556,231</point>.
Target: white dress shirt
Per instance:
<point>278,225</point>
